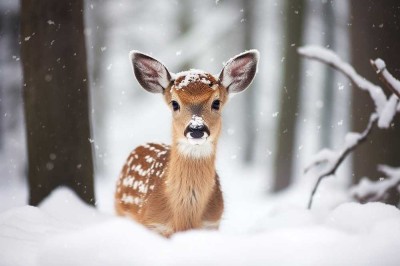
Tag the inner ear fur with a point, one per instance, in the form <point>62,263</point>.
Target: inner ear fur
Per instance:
<point>151,74</point>
<point>239,71</point>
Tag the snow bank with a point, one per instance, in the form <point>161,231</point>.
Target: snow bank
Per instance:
<point>65,231</point>
<point>115,242</point>
<point>22,229</point>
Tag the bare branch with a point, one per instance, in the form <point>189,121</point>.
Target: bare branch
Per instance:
<point>385,77</point>
<point>321,157</point>
<point>332,167</point>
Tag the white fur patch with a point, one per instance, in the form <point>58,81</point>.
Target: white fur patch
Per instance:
<point>195,151</point>
<point>193,141</point>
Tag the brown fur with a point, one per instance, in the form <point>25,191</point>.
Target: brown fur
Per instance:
<point>166,190</point>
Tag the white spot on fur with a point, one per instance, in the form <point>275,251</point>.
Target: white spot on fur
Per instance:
<point>149,159</point>
<point>128,181</point>
<point>128,199</point>
<point>161,153</point>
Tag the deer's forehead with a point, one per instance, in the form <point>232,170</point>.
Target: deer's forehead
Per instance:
<point>194,87</point>
<point>193,76</point>
<point>195,93</point>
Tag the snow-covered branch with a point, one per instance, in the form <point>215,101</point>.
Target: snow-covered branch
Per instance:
<point>333,159</point>
<point>385,108</point>
<point>368,190</point>
<point>330,58</point>
<point>385,77</point>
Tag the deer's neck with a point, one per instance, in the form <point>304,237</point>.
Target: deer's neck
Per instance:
<point>189,184</point>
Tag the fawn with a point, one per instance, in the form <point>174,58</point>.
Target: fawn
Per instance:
<point>175,188</point>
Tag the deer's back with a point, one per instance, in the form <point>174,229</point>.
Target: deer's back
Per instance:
<point>142,173</point>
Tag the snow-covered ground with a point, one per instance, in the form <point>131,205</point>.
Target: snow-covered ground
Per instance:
<point>65,231</point>
<point>257,228</point>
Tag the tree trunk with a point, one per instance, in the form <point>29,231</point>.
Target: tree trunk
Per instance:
<point>56,98</point>
<point>329,79</point>
<point>375,33</point>
<point>290,92</point>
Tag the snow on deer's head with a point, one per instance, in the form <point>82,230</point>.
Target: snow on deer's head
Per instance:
<point>195,97</point>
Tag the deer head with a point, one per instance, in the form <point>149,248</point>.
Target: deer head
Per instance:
<point>195,97</point>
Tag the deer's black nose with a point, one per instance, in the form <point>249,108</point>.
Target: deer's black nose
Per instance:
<point>197,132</point>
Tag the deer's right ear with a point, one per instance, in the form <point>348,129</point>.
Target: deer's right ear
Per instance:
<point>239,71</point>
<point>152,75</point>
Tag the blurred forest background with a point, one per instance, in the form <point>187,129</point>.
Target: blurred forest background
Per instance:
<point>293,109</point>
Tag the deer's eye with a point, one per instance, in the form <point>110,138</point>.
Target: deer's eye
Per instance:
<point>175,105</point>
<point>215,105</point>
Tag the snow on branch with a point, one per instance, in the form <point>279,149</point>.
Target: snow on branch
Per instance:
<point>385,77</point>
<point>333,159</point>
<point>385,108</point>
<point>389,111</point>
<point>330,58</point>
<point>368,190</point>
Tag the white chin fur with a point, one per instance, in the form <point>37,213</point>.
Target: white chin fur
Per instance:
<point>194,141</point>
<point>197,141</point>
<point>195,148</point>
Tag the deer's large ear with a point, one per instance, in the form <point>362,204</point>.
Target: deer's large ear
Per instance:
<point>238,72</point>
<point>151,74</point>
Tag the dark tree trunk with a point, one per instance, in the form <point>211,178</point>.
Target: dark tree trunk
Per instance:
<point>375,32</point>
<point>56,98</point>
<point>290,92</point>
<point>329,79</point>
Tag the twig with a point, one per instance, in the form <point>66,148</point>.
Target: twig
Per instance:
<point>385,77</point>
<point>327,154</point>
<point>332,170</point>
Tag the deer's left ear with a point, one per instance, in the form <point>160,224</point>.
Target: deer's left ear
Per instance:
<point>239,72</point>
<point>152,75</point>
